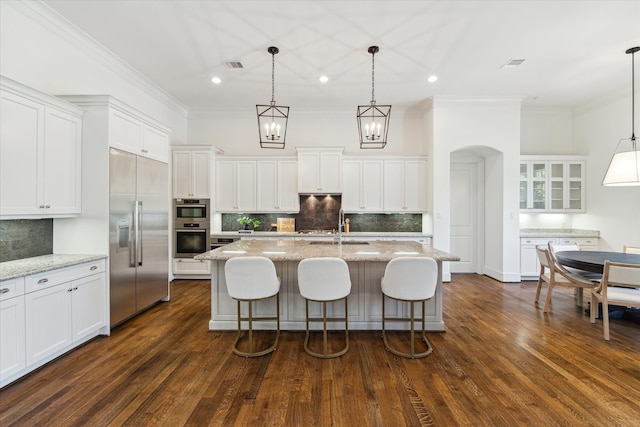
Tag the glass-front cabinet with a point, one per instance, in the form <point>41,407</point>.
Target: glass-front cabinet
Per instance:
<point>533,186</point>
<point>552,184</point>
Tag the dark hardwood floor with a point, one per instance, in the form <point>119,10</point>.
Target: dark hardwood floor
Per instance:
<point>501,362</point>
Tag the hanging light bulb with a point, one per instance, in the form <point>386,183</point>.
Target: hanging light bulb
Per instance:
<point>373,120</point>
<point>272,118</point>
<point>624,168</point>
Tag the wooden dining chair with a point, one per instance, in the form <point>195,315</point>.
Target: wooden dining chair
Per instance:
<point>553,274</point>
<point>620,285</point>
<point>630,249</point>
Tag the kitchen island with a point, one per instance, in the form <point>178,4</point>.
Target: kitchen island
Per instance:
<point>366,260</point>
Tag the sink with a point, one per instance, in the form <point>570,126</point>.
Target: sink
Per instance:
<point>329,242</point>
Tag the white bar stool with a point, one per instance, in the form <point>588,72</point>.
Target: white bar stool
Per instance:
<point>410,279</point>
<point>325,280</point>
<point>251,279</point>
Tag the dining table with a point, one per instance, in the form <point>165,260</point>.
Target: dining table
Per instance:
<point>593,261</point>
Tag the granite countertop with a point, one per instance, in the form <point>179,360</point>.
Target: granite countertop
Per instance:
<point>39,264</point>
<point>559,232</point>
<point>297,250</point>
<point>296,234</point>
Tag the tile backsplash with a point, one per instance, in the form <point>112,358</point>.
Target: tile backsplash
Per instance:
<point>321,213</point>
<point>25,238</point>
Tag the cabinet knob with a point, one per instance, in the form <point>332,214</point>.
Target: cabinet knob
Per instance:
<point>4,290</point>
<point>41,206</point>
<point>69,290</point>
<point>43,280</point>
<point>94,267</point>
<point>75,289</point>
<point>48,206</point>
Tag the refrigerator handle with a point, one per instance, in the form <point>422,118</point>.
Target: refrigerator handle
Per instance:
<point>139,231</point>
<point>133,239</point>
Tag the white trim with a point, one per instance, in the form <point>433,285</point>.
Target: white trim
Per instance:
<point>56,23</point>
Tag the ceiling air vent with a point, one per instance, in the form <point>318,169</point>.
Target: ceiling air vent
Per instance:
<point>512,63</point>
<point>233,64</point>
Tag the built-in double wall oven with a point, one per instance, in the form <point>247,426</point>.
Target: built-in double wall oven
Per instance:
<point>192,222</point>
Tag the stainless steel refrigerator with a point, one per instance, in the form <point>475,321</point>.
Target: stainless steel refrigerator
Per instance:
<point>138,233</point>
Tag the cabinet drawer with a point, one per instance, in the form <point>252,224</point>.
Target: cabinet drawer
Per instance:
<point>536,241</point>
<point>581,241</point>
<point>11,288</point>
<point>47,279</point>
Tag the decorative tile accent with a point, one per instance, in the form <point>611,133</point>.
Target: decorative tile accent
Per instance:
<point>321,213</point>
<point>25,238</point>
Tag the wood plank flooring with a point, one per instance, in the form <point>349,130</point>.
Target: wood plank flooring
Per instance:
<point>501,362</point>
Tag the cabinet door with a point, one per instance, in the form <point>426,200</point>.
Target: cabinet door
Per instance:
<point>155,144</point>
<point>371,185</point>
<point>351,191</point>
<point>225,186</point>
<point>87,305</point>
<point>330,172</point>
<point>12,333</point>
<point>48,321</point>
<point>267,186</point>
<point>524,186</point>
<point>62,163</point>
<point>574,200</point>
<point>538,185</point>
<point>308,180</point>
<point>201,175</point>
<point>21,159</point>
<point>393,185</point>
<point>245,186</point>
<point>125,132</point>
<point>415,185</point>
<point>288,198</point>
<point>182,174</point>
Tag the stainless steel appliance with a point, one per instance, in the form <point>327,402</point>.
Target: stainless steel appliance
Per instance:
<point>192,225</point>
<point>218,242</point>
<point>139,233</point>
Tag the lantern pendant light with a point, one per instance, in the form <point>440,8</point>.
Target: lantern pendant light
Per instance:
<point>373,120</point>
<point>624,168</point>
<point>272,118</point>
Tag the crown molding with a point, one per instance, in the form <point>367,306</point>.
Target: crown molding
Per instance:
<point>53,21</point>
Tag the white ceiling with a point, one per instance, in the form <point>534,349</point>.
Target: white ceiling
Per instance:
<point>573,50</point>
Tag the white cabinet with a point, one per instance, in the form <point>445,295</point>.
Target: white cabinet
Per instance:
<point>529,263</point>
<point>12,328</point>
<point>362,187</point>
<point>319,170</point>
<point>405,186</point>
<point>552,184</point>
<point>566,182</point>
<point>189,266</point>
<point>276,186</point>
<point>235,186</point>
<point>191,173</point>
<point>130,133</point>
<point>40,154</point>
<point>62,308</point>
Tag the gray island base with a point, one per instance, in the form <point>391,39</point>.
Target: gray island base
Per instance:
<point>367,262</point>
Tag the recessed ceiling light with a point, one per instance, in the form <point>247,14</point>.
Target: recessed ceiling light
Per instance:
<point>323,79</point>
<point>432,78</point>
<point>216,80</point>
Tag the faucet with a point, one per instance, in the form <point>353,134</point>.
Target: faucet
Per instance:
<point>340,224</point>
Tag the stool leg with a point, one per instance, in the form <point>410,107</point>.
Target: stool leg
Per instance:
<point>250,329</point>
<point>324,328</point>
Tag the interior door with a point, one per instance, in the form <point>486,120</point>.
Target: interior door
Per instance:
<point>464,207</point>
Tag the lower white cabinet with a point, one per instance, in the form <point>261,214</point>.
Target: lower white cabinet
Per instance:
<point>54,312</point>
<point>186,266</point>
<point>529,264</point>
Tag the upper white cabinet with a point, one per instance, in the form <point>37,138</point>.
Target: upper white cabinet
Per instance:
<point>192,172</point>
<point>40,154</point>
<point>130,133</point>
<point>405,185</point>
<point>124,127</point>
<point>363,184</point>
<point>277,186</point>
<point>319,170</point>
<point>552,184</point>
<point>235,185</point>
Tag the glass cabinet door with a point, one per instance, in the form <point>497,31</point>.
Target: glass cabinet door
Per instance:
<point>539,186</point>
<point>524,185</point>
<point>557,186</point>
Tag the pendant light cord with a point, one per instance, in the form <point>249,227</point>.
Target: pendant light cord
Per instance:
<point>273,74</point>
<point>373,67</point>
<point>633,95</point>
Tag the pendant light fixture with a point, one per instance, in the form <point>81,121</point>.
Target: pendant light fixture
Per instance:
<point>373,120</point>
<point>624,168</point>
<point>272,119</point>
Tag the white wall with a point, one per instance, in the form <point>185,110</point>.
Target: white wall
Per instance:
<point>41,50</point>
<point>548,131</point>
<point>615,211</point>
<point>237,132</point>
<point>492,129</point>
